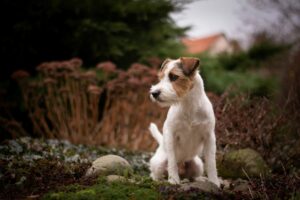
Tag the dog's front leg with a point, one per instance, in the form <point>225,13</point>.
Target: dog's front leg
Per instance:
<point>172,162</point>
<point>210,159</point>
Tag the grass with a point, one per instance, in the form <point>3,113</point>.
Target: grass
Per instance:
<point>139,187</point>
<point>105,190</point>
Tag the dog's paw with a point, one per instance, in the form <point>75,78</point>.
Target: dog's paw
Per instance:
<point>174,180</point>
<point>216,181</point>
<point>155,178</point>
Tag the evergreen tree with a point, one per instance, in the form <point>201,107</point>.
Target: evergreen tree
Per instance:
<point>123,31</point>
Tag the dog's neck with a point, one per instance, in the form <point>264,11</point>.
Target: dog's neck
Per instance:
<point>191,100</point>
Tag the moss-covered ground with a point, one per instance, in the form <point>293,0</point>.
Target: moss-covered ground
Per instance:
<point>137,187</point>
<point>54,169</point>
<point>105,190</point>
<point>30,167</point>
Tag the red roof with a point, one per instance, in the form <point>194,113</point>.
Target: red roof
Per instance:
<point>201,44</point>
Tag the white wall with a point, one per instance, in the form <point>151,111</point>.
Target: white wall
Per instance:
<point>221,45</point>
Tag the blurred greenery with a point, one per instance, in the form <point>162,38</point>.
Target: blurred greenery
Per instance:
<point>266,49</point>
<point>239,71</point>
<point>123,31</point>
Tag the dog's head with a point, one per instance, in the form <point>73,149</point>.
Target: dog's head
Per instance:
<point>176,79</point>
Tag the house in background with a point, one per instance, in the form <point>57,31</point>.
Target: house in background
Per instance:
<point>213,45</point>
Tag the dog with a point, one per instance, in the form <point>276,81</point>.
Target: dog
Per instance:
<point>188,131</point>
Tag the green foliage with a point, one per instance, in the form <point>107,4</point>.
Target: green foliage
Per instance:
<point>123,31</point>
<point>234,71</point>
<point>265,50</point>
<point>252,58</point>
<point>240,70</point>
<point>105,190</point>
<point>237,61</point>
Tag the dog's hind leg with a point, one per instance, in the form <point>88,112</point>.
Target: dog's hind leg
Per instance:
<point>197,167</point>
<point>158,166</point>
<point>194,169</point>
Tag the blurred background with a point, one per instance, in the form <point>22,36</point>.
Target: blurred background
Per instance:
<point>81,70</point>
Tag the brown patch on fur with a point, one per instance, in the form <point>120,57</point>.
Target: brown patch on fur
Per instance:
<point>189,65</point>
<point>183,84</point>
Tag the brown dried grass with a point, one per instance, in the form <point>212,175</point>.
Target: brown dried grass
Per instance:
<point>68,103</point>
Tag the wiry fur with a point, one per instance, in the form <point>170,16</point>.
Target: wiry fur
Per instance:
<point>188,131</point>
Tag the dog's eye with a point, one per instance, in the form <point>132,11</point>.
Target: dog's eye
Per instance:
<point>173,77</point>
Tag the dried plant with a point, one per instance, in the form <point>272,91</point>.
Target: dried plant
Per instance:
<point>128,110</point>
<point>66,102</point>
<point>260,124</point>
<point>61,101</point>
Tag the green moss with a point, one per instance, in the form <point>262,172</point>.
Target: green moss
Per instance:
<point>295,196</point>
<point>86,194</point>
<point>73,188</point>
<point>242,163</point>
<point>104,190</point>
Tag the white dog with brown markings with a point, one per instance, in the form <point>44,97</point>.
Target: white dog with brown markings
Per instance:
<point>188,131</point>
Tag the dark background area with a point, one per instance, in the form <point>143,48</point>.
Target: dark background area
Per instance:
<point>123,31</point>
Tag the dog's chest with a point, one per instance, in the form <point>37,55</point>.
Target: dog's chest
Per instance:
<point>188,140</point>
<point>186,133</point>
<point>189,128</point>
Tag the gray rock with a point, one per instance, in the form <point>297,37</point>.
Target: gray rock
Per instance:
<point>205,186</point>
<point>241,186</point>
<point>238,185</point>
<point>226,183</point>
<point>241,164</point>
<point>108,165</point>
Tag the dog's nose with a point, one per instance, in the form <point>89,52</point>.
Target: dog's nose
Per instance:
<point>155,94</point>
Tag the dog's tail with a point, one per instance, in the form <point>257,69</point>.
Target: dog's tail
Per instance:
<point>156,133</point>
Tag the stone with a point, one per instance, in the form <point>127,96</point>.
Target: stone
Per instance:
<point>237,186</point>
<point>109,165</point>
<point>226,183</point>
<point>243,163</point>
<point>241,186</point>
<point>205,186</point>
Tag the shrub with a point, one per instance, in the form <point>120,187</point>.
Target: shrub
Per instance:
<point>237,61</point>
<point>265,50</point>
<point>260,124</point>
<point>251,71</point>
<point>218,78</point>
<point>99,106</point>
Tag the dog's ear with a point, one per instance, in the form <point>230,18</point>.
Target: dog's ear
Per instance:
<point>189,65</point>
<point>164,63</point>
